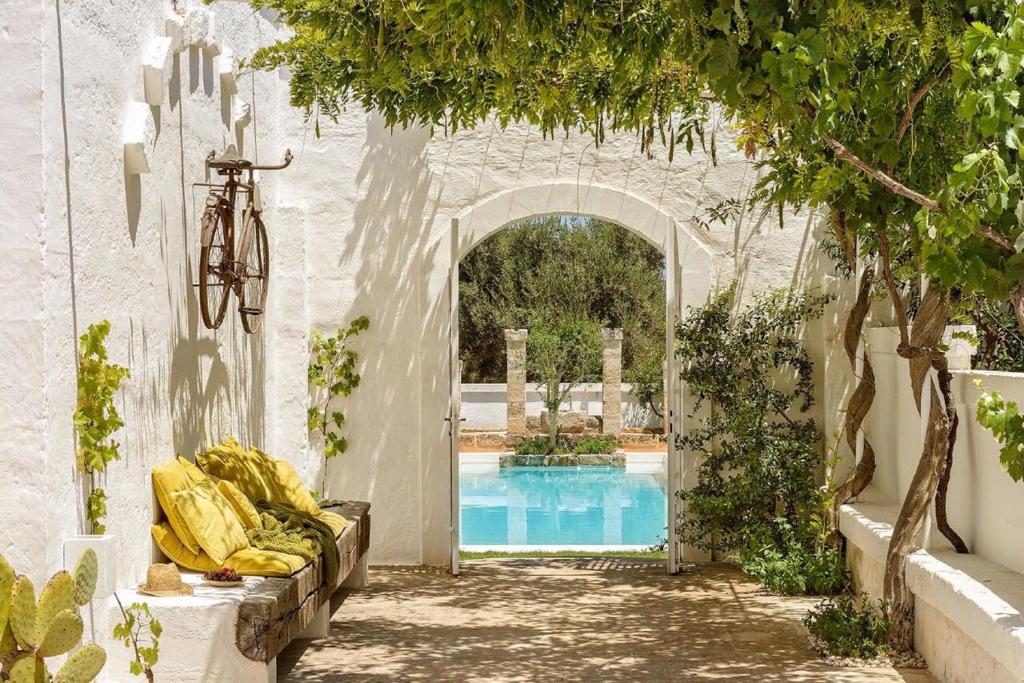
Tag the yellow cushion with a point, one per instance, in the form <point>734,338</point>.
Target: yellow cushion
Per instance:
<point>171,546</point>
<point>256,562</point>
<point>251,561</point>
<point>194,474</point>
<point>212,520</point>
<point>257,475</point>
<point>333,520</point>
<point>250,470</point>
<point>292,491</point>
<point>168,479</point>
<point>243,507</point>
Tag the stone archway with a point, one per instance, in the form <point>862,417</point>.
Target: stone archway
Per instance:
<point>689,260</point>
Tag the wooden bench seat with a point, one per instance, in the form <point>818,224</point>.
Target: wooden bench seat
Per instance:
<point>279,609</point>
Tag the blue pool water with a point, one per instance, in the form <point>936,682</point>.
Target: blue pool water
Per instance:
<point>560,506</point>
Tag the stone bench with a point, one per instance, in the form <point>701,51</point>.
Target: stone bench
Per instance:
<point>235,634</point>
<point>969,610</point>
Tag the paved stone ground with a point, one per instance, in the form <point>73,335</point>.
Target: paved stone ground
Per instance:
<point>567,620</point>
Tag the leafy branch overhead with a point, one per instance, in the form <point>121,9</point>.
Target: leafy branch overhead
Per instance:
<point>332,374</point>
<point>96,418</point>
<point>901,110</point>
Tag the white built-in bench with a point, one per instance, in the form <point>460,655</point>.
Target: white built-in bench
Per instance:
<point>969,610</point>
<point>233,635</point>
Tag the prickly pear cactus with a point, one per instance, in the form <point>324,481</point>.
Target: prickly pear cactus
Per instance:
<point>83,666</point>
<point>85,575</point>
<point>63,633</point>
<point>6,581</point>
<point>8,646</point>
<point>23,612</point>
<point>30,631</point>
<point>27,668</point>
<point>58,596</point>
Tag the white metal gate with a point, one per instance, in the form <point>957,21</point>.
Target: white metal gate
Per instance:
<point>454,392</point>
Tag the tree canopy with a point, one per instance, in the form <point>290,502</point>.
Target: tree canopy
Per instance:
<point>562,265</point>
<point>895,113</point>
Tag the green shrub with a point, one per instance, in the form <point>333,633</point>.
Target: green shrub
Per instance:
<point>849,626</point>
<point>602,443</point>
<point>536,445</point>
<point>792,562</point>
<point>760,447</point>
<point>586,445</point>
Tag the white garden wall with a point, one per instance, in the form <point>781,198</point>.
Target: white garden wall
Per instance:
<point>359,225</point>
<point>484,406</point>
<point>970,608</point>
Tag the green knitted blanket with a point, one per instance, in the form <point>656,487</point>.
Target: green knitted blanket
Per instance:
<point>288,530</point>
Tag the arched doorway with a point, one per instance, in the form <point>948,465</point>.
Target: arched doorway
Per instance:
<point>689,269</point>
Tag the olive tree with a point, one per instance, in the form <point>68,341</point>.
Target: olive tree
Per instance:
<point>562,350</point>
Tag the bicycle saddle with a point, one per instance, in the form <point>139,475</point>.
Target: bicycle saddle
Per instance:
<point>230,159</point>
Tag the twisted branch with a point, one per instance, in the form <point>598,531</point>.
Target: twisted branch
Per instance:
<point>860,403</point>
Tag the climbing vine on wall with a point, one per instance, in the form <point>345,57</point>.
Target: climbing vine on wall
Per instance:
<point>760,452</point>
<point>96,418</point>
<point>332,375</point>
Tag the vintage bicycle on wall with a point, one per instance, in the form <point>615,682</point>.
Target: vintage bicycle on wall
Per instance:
<point>227,264</point>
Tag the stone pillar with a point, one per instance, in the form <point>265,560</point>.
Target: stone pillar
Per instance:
<point>515,396</point>
<point>611,387</point>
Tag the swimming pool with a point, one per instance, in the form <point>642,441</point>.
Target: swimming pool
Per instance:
<point>560,507</point>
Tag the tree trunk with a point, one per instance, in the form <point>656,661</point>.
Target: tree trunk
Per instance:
<point>941,516</point>
<point>920,348</point>
<point>553,403</point>
<point>860,403</point>
<point>1017,301</point>
<point>911,518</point>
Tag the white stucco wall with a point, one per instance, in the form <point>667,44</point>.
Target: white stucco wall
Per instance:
<point>485,406</point>
<point>969,608</point>
<point>85,241</point>
<point>359,225</point>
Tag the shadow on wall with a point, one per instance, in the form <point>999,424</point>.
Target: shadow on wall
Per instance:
<point>390,231</point>
<point>216,382</point>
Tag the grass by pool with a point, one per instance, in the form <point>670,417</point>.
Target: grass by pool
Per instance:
<point>571,508</point>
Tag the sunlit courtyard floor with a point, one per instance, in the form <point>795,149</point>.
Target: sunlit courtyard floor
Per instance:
<point>567,620</point>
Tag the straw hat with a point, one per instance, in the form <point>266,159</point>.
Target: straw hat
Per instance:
<point>164,580</point>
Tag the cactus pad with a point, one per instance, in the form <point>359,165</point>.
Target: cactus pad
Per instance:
<point>6,581</point>
<point>23,612</point>
<point>85,574</point>
<point>27,668</point>
<point>58,595</point>
<point>7,644</point>
<point>64,632</point>
<point>83,666</point>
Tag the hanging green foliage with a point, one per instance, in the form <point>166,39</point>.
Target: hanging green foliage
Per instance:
<point>96,418</point>
<point>448,65</point>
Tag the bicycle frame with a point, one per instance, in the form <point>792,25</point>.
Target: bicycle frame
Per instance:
<point>232,271</point>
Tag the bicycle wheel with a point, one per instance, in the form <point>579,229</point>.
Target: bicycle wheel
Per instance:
<point>253,272</point>
<point>216,257</point>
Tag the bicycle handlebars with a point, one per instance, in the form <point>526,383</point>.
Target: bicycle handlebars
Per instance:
<point>230,161</point>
